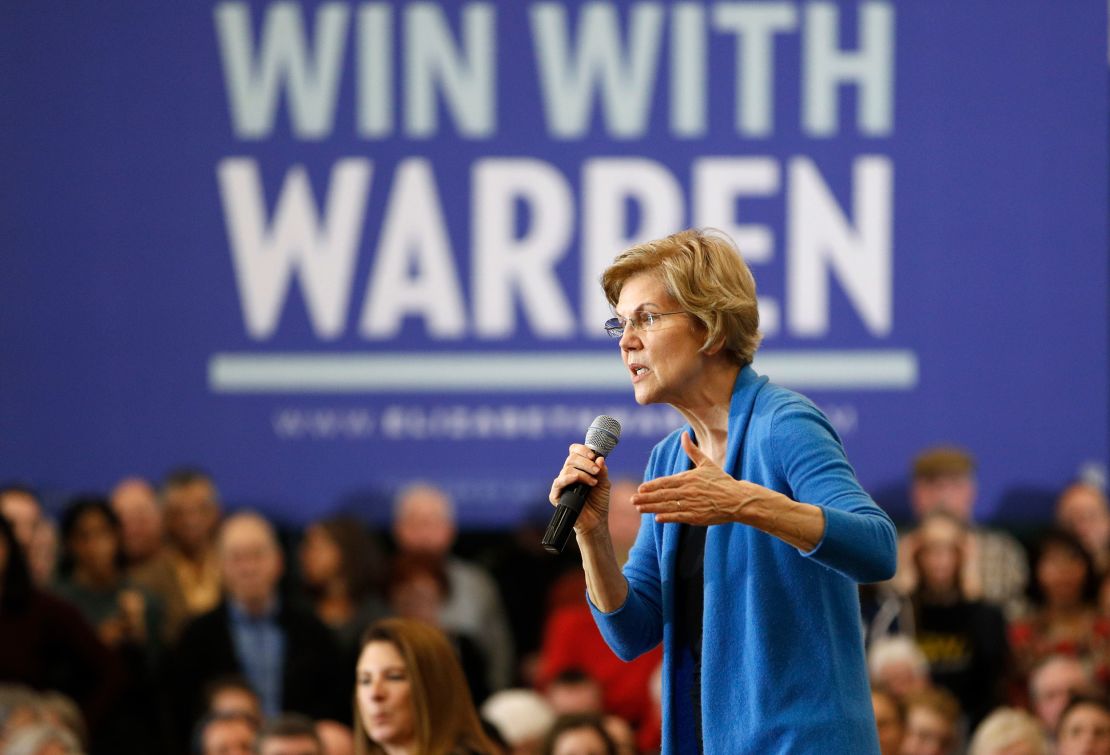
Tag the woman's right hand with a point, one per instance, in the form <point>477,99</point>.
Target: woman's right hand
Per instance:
<point>584,465</point>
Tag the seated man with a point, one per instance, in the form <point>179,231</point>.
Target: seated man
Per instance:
<point>289,657</point>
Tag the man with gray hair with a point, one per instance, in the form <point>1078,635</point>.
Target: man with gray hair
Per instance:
<point>289,657</point>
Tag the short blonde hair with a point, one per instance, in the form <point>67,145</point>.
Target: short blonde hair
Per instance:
<point>704,272</point>
<point>1006,727</point>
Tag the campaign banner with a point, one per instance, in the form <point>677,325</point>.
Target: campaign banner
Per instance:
<point>326,249</point>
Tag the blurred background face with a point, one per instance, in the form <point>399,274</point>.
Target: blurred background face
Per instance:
<point>136,505</point>
<point>940,555</point>
<point>94,543</point>
<point>321,559</point>
<point>1084,731</point>
<point>1051,687</point>
<point>900,678</point>
<point>1082,510</point>
<point>889,724</point>
<point>24,513</point>
<point>192,514</point>
<point>236,700</point>
<point>424,523</point>
<point>232,737</point>
<point>927,733</point>
<point>1061,574</point>
<point>581,741</point>
<point>953,494</point>
<point>289,745</point>
<point>250,562</point>
<point>418,597</point>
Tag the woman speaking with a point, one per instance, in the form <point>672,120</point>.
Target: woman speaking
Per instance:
<point>755,530</point>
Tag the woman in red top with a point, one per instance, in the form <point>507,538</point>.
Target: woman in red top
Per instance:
<point>1066,620</point>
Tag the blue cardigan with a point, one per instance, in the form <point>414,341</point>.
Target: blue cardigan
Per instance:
<point>783,666</point>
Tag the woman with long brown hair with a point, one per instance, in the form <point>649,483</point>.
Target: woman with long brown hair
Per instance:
<point>411,696</point>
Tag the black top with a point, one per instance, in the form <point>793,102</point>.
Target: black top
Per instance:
<point>689,608</point>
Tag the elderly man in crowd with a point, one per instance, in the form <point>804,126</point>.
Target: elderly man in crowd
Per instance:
<point>285,652</point>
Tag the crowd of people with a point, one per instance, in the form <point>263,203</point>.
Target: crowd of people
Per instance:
<point>150,620</point>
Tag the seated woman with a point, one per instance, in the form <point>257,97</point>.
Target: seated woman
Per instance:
<point>410,695</point>
<point>1065,620</point>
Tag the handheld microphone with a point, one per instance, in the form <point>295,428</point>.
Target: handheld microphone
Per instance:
<point>602,437</point>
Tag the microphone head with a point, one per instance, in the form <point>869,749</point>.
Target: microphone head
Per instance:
<point>603,434</point>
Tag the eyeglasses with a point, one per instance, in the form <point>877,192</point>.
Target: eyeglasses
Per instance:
<point>640,321</point>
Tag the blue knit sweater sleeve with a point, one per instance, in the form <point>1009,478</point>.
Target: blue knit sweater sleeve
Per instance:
<point>637,625</point>
<point>860,541</point>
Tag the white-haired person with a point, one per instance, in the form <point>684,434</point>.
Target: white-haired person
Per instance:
<point>1009,731</point>
<point>755,534</point>
<point>898,665</point>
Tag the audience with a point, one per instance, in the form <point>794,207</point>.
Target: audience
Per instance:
<point>964,639</point>
<point>424,525</point>
<point>890,720</point>
<point>1065,618</point>
<point>289,734</point>
<point>898,665</point>
<point>232,694</point>
<point>46,644</point>
<point>127,620</point>
<point>578,734</point>
<point>418,589</point>
<point>933,724</point>
<point>337,738</point>
<point>43,739</point>
<point>35,532</point>
<point>1053,682</point>
<point>1082,509</point>
<point>523,717</point>
<point>136,504</point>
<point>185,574</point>
<point>342,570</point>
<point>289,657</point>
<point>574,691</point>
<point>410,694</point>
<point>1008,731</point>
<point>1084,727</point>
<point>994,566</point>
<point>264,674</point>
<point>225,734</point>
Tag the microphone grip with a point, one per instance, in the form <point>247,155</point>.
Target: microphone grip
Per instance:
<point>566,514</point>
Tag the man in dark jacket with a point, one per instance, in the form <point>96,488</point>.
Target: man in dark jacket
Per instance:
<point>286,653</point>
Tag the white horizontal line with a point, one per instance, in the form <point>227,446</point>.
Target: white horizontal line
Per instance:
<point>541,372</point>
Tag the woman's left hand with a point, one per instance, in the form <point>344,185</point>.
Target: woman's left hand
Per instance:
<point>703,496</point>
